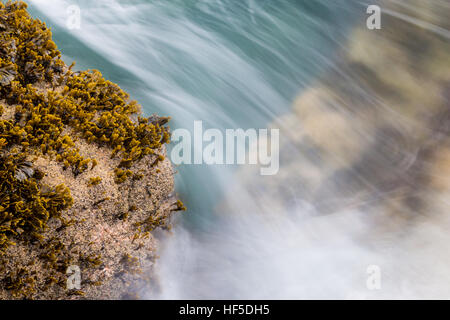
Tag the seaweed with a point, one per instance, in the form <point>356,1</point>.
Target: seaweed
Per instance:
<point>26,205</point>
<point>131,264</point>
<point>22,283</point>
<point>91,260</point>
<point>94,181</point>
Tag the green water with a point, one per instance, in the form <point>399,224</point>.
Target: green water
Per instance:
<point>230,63</point>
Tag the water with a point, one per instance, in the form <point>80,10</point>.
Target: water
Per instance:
<point>232,64</point>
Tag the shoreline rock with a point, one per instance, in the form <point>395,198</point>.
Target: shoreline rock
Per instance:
<point>95,193</point>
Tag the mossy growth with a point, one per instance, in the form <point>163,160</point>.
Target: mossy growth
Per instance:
<point>122,175</point>
<point>180,206</point>
<point>94,181</point>
<point>91,260</point>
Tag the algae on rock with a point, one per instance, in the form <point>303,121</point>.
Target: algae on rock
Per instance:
<point>69,144</point>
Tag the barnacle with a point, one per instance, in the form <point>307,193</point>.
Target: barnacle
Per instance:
<point>7,74</point>
<point>24,171</point>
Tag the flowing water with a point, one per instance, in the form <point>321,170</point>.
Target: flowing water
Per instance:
<point>233,64</point>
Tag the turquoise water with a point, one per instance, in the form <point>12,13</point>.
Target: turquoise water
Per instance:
<point>232,64</point>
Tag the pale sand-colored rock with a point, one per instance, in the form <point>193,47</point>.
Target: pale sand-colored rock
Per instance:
<point>99,228</point>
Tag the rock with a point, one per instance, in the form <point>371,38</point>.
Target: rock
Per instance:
<point>76,166</point>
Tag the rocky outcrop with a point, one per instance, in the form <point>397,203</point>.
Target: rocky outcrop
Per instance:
<point>84,178</point>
